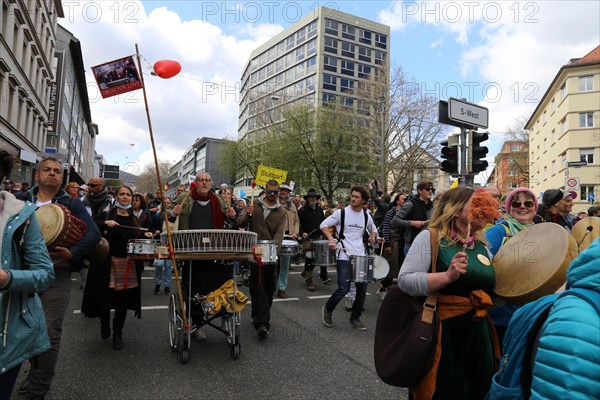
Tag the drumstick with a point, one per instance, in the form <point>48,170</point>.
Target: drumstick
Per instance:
<point>132,227</point>
<point>467,238</point>
<point>253,185</point>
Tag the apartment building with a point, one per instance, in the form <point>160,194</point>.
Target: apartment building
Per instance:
<point>564,139</point>
<point>202,156</point>
<point>511,168</point>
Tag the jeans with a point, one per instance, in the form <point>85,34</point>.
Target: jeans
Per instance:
<point>262,288</point>
<point>284,267</point>
<point>343,273</point>
<point>55,300</point>
<point>161,265</point>
<point>7,382</point>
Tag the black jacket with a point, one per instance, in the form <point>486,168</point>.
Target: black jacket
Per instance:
<point>310,220</point>
<point>414,209</point>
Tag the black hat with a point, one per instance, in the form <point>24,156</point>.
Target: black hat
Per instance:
<point>312,192</point>
<point>552,196</point>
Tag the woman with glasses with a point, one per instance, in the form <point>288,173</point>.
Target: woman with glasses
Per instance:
<point>521,206</point>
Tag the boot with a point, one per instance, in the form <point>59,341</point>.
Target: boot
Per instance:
<point>117,335</point>
<point>281,294</point>
<point>309,281</point>
<point>105,328</point>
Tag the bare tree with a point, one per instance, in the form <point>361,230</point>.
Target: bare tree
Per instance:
<point>147,181</point>
<point>518,161</point>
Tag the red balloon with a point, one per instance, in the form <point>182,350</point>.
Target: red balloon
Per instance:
<point>167,68</point>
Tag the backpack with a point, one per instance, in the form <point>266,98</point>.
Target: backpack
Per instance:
<point>515,374</point>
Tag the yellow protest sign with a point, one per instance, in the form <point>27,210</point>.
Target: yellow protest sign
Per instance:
<point>454,184</point>
<point>264,174</point>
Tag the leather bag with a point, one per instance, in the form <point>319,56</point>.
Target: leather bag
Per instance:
<point>406,333</point>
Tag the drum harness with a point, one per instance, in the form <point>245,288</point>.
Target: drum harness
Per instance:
<point>342,237</point>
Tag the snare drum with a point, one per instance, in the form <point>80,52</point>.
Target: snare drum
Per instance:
<point>142,248</point>
<point>269,251</point>
<point>361,269</point>
<point>289,248</point>
<point>59,227</point>
<point>323,255</point>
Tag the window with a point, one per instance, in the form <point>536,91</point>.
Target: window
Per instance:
<point>364,71</point>
<point>300,70</point>
<point>363,107</point>
<point>327,97</point>
<point>553,136</point>
<point>300,53</point>
<point>538,150</point>
<point>312,29</point>
<point>553,105</point>
<point>330,63</point>
<point>279,65</point>
<point>563,126</point>
<point>553,170</point>
<point>545,144</point>
<point>513,185</point>
<point>280,48</point>
<point>586,83</point>
<point>270,70</point>
<point>586,120</point>
<point>348,101</point>
<point>310,63</point>
<point>380,41</point>
<point>364,37</point>
<point>586,155</point>
<point>563,91</point>
<point>347,68</point>
<point>310,83</point>
<point>311,47</point>
<point>544,117</point>
<point>290,42</point>
<point>379,57</point>
<point>300,36</point>
<point>563,158</point>
<point>329,82</point>
<point>348,49</point>
<point>346,85</point>
<point>512,172</point>
<point>515,147</point>
<point>331,27</point>
<point>586,191</point>
<point>348,32</point>
<point>331,45</point>
<point>364,54</point>
<point>545,172</point>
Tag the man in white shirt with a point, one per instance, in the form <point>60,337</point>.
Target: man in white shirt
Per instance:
<point>358,229</point>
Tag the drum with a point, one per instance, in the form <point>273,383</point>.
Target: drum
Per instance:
<point>289,248</point>
<point>269,251</point>
<point>59,227</point>
<point>323,255</point>
<point>141,248</point>
<point>381,267</point>
<point>210,244</point>
<point>586,231</point>
<point>361,269</point>
<point>534,263</point>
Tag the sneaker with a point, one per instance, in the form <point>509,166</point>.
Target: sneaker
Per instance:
<point>381,293</point>
<point>326,317</point>
<point>167,291</point>
<point>157,289</point>
<point>356,324</point>
<point>199,335</point>
<point>303,274</point>
<point>326,281</point>
<point>349,304</point>
<point>281,294</point>
<point>263,332</point>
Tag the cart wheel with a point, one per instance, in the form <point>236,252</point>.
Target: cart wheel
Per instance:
<point>235,351</point>
<point>184,356</point>
<point>174,325</point>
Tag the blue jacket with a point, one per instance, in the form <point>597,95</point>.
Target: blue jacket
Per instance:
<point>567,363</point>
<point>20,307</point>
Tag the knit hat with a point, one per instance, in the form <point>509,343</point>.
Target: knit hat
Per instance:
<point>514,194</point>
<point>552,196</point>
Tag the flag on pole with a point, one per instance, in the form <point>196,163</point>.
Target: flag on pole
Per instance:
<point>191,178</point>
<point>117,77</point>
<point>454,184</point>
<point>242,194</point>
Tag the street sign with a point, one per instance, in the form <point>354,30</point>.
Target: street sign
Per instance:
<point>467,113</point>
<point>577,163</point>
<point>573,194</point>
<point>572,184</point>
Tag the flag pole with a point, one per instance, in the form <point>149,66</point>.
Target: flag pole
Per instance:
<point>165,214</point>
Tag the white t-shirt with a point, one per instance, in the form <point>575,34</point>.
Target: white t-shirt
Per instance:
<point>354,226</point>
<point>40,203</point>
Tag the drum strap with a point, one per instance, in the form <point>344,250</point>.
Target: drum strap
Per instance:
<point>341,234</point>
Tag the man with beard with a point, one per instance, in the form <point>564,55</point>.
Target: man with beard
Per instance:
<point>415,213</point>
<point>97,200</point>
<point>268,220</point>
<point>56,298</point>
<point>311,215</point>
<point>292,227</point>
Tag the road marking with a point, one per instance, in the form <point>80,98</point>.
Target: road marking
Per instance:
<point>319,297</point>
<point>284,300</point>
<point>143,308</point>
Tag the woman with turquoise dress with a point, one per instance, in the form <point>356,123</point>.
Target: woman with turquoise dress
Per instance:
<point>467,348</point>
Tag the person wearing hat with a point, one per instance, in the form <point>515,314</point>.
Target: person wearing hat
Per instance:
<point>292,229</point>
<point>8,185</point>
<point>557,206</point>
<point>311,215</point>
<point>521,207</point>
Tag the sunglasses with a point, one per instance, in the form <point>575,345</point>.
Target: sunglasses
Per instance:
<point>92,185</point>
<point>517,204</point>
<point>432,190</point>
<point>272,191</point>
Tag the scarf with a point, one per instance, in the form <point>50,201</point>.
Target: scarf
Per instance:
<point>218,218</point>
<point>96,200</point>
<point>267,208</point>
<point>515,226</point>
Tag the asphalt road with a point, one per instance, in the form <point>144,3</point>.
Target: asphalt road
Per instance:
<point>302,359</point>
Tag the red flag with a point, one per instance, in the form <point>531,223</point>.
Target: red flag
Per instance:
<point>117,77</point>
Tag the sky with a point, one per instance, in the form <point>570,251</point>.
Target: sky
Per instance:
<point>500,55</point>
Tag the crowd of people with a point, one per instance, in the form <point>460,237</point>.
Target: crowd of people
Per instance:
<point>399,226</point>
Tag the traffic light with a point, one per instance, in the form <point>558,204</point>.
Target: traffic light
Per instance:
<point>450,155</point>
<point>477,152</point>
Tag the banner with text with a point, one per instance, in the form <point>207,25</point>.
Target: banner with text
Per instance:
<point>264,174</point>
<point>117,77</point>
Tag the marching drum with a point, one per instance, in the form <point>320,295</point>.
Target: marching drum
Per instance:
<point>141,248</point>
<point>289,247</point>
<point>59,227</point>
<point>210,244</point>
<point>381,267</point>
<point>534,263</point>
<point>323,255</point>
<point>269,251</point>
<point>586,231</point>
<point>361,269</point>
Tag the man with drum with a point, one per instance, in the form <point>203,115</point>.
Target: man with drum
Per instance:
<point>292,229</point>
<point>268,219</point>
<point>56,298</point>
<point>357,230</point>
<point>202,209</point>
<point>311,215</point>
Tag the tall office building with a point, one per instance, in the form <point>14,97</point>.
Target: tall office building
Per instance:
<point>326,55</point>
